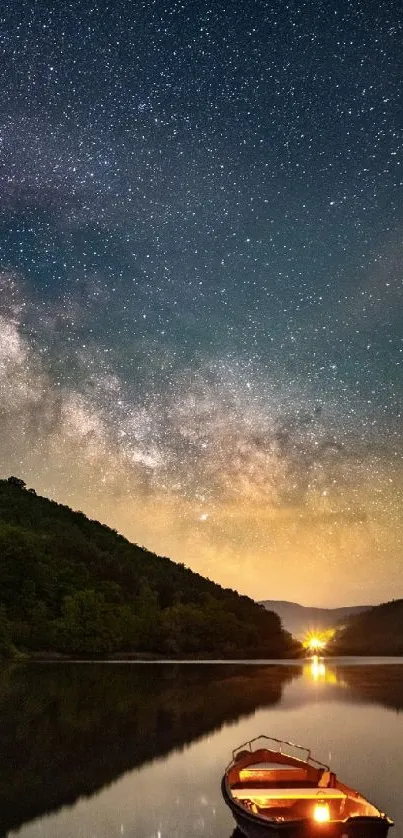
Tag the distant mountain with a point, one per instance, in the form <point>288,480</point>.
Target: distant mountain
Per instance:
<point>378,631</point>
<point>73,586</point>
<point>300,619</point>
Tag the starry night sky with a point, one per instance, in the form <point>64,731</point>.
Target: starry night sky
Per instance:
<point>201,273</point>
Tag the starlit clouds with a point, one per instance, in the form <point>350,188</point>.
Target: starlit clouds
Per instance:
<point>252,486</point>
<point>201,250</point>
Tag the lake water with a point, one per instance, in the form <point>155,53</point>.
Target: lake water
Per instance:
<point>96,750</point>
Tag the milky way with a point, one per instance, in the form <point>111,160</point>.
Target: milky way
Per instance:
<point>200,292</point>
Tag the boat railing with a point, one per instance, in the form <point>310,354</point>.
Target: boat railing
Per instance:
<point>282,748</point>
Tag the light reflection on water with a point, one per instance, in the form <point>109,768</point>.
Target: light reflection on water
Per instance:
<point>350,716</point>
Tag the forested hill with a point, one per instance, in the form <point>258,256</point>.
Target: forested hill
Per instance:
<point>74,586</point>
<point>378,631</point>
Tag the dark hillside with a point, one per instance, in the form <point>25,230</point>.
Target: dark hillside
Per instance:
<point>77,587</point>
<point>378,631</point>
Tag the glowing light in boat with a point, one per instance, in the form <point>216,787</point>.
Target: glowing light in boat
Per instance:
<point>321,813</point>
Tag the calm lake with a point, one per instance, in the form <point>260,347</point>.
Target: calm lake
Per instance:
<point>95,750</point>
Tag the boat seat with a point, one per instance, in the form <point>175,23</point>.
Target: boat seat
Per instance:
<point>271,766</point>
<point>313,793</point>
<point>280,771</point>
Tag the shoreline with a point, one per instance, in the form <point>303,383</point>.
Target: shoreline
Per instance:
<point>352,660</point>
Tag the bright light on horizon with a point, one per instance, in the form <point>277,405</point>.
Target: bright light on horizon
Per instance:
<point>317,640</point>
<point>314,642</point>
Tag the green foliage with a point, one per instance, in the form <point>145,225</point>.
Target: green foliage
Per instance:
<point>90,625</point>
<point>73,586</point>
<point>7,648</point>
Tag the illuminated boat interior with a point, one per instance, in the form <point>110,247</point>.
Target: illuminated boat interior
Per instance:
<point>280,787</point>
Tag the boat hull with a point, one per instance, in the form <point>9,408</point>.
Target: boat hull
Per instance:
<point>253,826</point>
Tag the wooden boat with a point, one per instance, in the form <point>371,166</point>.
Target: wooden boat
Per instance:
<point>276,789</point>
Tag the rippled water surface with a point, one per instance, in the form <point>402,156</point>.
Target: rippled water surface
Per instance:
<point>105,750</point>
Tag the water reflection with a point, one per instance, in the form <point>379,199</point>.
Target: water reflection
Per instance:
<point>319,671</point>
<point>68,730</point>
<point>165,732</point>
<point>380,684</point>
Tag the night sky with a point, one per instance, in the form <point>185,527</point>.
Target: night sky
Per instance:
<point>201,273</point>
